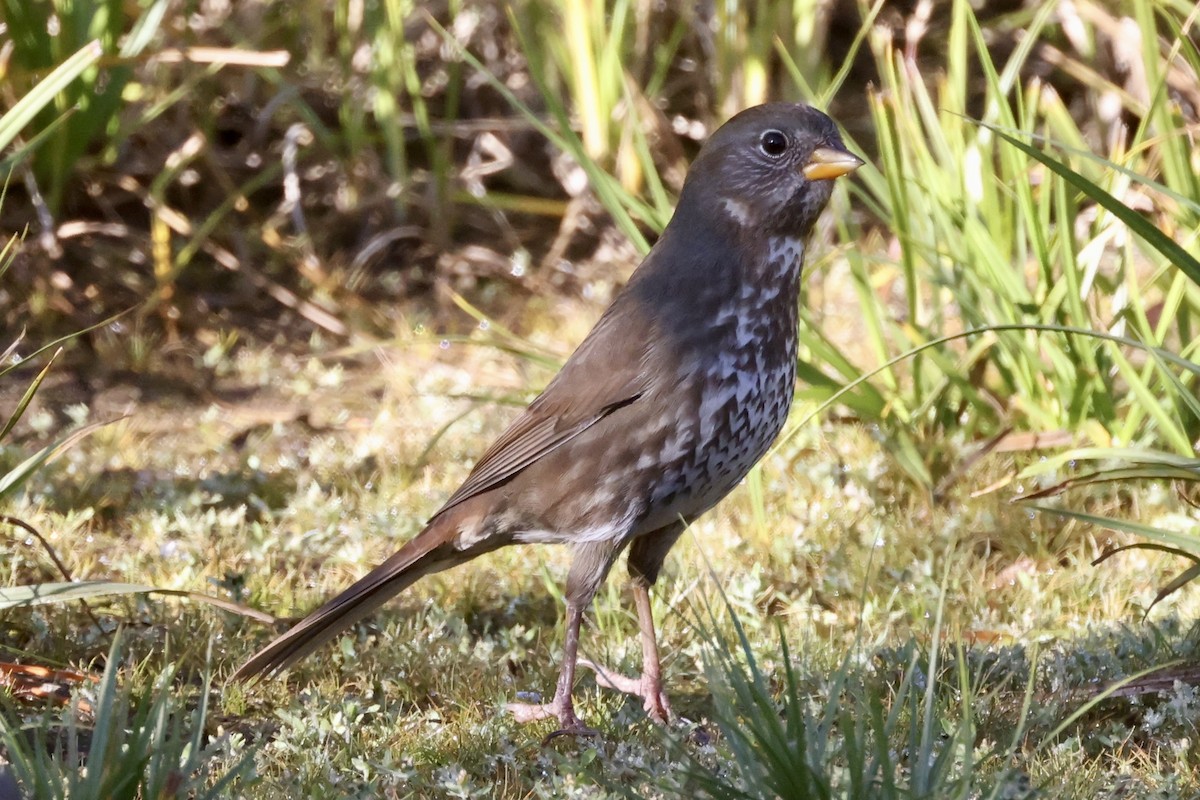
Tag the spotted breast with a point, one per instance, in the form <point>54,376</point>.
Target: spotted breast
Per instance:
<point>741,400</point>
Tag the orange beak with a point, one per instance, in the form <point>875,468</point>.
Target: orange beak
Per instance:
<point>827,163</point>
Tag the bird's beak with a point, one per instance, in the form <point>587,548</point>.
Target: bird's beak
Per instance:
<point>827,163</point>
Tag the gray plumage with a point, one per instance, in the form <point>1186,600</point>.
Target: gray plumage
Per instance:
<point>676,392</point>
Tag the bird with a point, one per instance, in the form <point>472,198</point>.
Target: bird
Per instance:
<point>679,389</point>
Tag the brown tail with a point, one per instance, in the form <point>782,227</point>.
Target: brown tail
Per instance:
<point>425,554</point>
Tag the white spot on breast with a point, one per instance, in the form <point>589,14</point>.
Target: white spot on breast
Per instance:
<point>784,254</point>
<point>748,362</point>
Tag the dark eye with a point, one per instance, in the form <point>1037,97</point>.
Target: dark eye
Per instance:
<point>773,143</point>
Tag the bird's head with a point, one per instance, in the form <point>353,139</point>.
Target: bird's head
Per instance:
<point>768,170</point>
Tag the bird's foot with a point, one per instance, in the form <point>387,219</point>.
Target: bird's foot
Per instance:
<point>569,723</point>
<point>650,689</point>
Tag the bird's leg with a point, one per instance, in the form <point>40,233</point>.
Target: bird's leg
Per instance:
<point>646,556</point>
<point>590,565</point>
<point>656,704</point>
<point>562,705</point>
<point>649,686</point>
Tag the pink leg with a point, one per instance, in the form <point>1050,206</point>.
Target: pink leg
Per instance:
<point>650,685</point>
<point>562,705</point>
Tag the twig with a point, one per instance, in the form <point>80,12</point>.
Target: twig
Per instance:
<point>58,562</point>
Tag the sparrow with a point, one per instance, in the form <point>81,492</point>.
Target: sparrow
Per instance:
<point>678,390</point>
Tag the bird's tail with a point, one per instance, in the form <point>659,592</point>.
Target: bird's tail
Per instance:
<point>427,553</point>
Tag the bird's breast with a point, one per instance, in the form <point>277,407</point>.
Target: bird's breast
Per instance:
<point>731,391</point>
<point>720,372</point>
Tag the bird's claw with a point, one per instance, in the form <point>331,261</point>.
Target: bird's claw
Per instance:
<point>580,730</point>
<point>654,698</point>
<point>571,725</point>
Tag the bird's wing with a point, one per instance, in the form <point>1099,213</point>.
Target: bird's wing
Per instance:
<point>605,374</point>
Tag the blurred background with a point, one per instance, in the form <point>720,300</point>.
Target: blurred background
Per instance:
<point>233,174</point>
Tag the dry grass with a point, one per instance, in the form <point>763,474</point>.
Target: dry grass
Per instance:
<point>844,556</point>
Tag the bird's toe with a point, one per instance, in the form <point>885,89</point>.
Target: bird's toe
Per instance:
<point>654,697</point>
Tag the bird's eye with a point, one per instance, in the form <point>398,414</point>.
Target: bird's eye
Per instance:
<point>773,143</point>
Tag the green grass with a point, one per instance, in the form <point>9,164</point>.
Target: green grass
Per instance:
<point>852,565</point>
<point>139,743</point>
